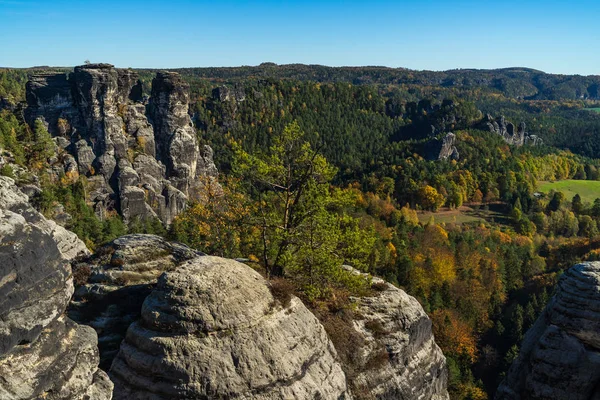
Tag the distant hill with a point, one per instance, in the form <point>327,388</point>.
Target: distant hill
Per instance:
<point>520,83</point>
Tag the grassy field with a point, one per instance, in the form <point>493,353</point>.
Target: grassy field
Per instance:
<point>588,190</point>
<point>596,109</point>
<point>464,214</point>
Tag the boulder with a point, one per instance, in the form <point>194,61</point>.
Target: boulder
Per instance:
<point>117,279</point>
<point>212,329</point>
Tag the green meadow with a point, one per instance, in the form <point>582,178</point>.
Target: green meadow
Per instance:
<point>588,190</point>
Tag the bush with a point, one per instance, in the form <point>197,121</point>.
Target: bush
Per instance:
<point>282,290</point>
<point>375,327</point>
<point>81,273</point>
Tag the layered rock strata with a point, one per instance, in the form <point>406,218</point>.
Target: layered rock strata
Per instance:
<point>560,354</point>
<point>212,329</point>
<point>117,280</point>
<point>143,163</point>
<point>43,354</point>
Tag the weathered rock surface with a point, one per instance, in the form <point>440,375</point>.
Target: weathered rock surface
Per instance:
<point>212,329</point>
<point>560,354</point>
<point>121,276</point>
<point>399,340</point>
<point>42,353</point>
<point>97,114</point>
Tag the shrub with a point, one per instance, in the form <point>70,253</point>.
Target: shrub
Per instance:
<point>375,327</point>
<point>282,290</point>
<point>81,273</point>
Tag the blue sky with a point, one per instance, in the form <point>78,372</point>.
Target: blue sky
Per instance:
<point>552,36</point>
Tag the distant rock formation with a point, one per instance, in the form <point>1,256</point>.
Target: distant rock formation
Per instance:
<point>443,149</point>
<point>560,354</point>
<point>143,164</point>
<point>43,354</point>
<point>211,329</point>
<point>506,129</point>
<point>224,93</point>
<point>120,276</point>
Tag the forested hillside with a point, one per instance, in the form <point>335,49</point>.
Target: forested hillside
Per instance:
<point>322,166</point>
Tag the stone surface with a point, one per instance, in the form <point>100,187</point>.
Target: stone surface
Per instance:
<point>212,329</point>
<point>397,330</point>
<point>42,353</point>
<point>560,354</point>
<point>98,113</point>
<point>121,275</point>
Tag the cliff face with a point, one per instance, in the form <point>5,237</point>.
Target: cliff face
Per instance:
<point>397,337</point>
<point>43,354</point>
<point>143,164</point>
<point>560,354</point>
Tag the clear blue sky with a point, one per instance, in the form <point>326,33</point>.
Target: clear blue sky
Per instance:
<point>559,37</point>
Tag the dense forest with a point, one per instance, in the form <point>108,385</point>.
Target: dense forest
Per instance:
<point>322,166</point>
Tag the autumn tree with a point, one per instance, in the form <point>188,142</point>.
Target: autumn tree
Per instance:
<point>429,198</point>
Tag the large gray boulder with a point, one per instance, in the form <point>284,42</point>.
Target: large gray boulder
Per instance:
<point>42,353</point>
<point>560,354</point>
<point>99,110</point>
<point>212,329</point>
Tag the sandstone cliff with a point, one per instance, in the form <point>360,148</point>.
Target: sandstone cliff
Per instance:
<point>560,354</point>
<point>143,163</point>
<point>398,355</point>
<point>43,354</point>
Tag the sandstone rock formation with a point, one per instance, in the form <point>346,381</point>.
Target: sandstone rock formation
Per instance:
<point>212,329</point>
<point>560,354</point>
<point>443,149</point>
<point>120,275</point>
<point>43,354</point>
<point>143,164</point>
<point>398,331</point>
<point>501,127</point>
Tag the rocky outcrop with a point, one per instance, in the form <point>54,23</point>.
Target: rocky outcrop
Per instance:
<point>115,282</point>
<point>225,93</point>
<point>400,357</point>
<point>443,149</point>
<point>560,354</point>
<point>516,137</point>
<point>212,329</point>
<point>143,164</point>
<point>43,354</point>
